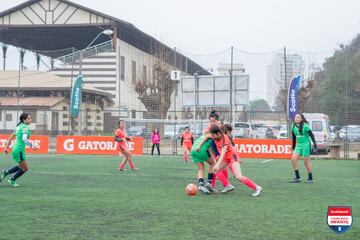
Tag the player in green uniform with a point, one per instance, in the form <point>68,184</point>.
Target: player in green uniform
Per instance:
<point>301,134</point>
<point>205,154</point>
<point>22,134</point>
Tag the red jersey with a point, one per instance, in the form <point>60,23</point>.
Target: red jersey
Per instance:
<point>225,142</point>
<point>120,134</point>
<point>187,138</point>
<point>209,127</point>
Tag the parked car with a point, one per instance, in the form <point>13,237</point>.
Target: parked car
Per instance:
<point>137,131</point>
<point>282,132</point>
<point>173,131</point>
<point>244,130</point>
<point>342,132</point>
<point>264,132</point>
<point>320,126</point>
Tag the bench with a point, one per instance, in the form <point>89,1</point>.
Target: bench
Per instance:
<point>335,150</point>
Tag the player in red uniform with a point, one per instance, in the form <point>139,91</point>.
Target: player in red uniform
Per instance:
<point>222,175</point>
<point>121,138</point>
<point>187,140</point>
<point>229,156</point>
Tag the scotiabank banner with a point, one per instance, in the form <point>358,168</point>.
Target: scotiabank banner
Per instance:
<point>41,141</point>
<point>95,145</point>
<point>264,148</point>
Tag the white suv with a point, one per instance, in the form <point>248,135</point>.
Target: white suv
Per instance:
<point>244,130</point>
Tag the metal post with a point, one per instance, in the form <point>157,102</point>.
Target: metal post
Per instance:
<point>4,49</point>
<point>231,117</point>
<point>175,137</point>
<point>70,93</point>
<point>18,89</point>
<point>286,107</point>
<point>196,78</point>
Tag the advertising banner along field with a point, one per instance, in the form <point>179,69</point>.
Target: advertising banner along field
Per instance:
<point>264,148</point>
<point>41,141</point>
<point>95,145</point>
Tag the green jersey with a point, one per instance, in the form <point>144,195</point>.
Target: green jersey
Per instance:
<point>19,131</point>
<point>304,137</point>
<point>203,154</point>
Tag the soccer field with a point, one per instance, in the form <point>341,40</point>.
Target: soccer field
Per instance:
<point>86,197</point>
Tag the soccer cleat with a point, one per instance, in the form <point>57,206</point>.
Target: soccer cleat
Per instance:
<point>122,169</point>
<point>310,181</point>
<point>3,175</point>
<point>209,186</point>
<point>295,180</point>
<point>203,189</point>
<point>228,188</point>
<point>257,191</point>
<point>13,183</point>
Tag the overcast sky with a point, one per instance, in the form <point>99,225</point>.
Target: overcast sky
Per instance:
<point>208,26</point>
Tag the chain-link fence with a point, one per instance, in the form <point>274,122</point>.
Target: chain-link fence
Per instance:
<point>248,90</point>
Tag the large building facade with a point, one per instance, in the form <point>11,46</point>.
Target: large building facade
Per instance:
<point>115,64</point>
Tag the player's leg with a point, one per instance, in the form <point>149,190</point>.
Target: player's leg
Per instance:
<point>152,149</point>
<point>201,173</point>
<point>295,166</point>
<point>307,163</point>
<point>23,167</point>
<point>158,148</point>
<point>129,157</point>
<point>122,164</point>
<point>246,181</point>
<point>186,152</point>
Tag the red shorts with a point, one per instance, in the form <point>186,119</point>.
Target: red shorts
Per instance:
<point>187,146</point>
<point>121,148</point>
<point>231,160</point>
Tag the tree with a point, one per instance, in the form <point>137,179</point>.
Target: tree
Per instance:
<point>259,105</point>
<point>336,89</point>
<point>156,95</point>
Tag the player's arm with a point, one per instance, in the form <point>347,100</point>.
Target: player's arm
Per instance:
<point>8,142</point>
<point>27,142</point>
<point>182,140</point>
<point>192,140</point>
<point>203,141</point>
<point>293,140</point>
<point>118,139</point>
<point>221,158</point>
<point>312,139</point>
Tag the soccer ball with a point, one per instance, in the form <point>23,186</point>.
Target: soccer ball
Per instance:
<point>191,189</point>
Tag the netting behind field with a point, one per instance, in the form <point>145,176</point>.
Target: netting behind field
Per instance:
<point>126,83</point>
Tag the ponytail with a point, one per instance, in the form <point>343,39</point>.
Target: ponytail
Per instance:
<point>23,116</point>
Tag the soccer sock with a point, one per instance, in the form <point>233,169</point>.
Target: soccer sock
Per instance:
<point>210,177</point>
<point>17,174</point>
<point>231,168</point>
<point>132,166</point>
<point>201,182</point>
<point>214,181</point>
<point>12,170</point>
<point>223,179</point>
<point>297,174</point>
<point>310,176</point>
<point>185,157</point>
<point>122,165</point>
<point>248,183</point>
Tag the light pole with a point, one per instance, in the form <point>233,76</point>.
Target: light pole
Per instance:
<point>108,32</point>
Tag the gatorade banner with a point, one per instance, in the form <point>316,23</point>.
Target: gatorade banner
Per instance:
<point>264,148</point>
<point>41,141</point>
<point>95,145</point>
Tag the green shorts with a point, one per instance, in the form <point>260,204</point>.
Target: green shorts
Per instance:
<point>18,155</point>
<point>201,156</point>
<point>303,149</point>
